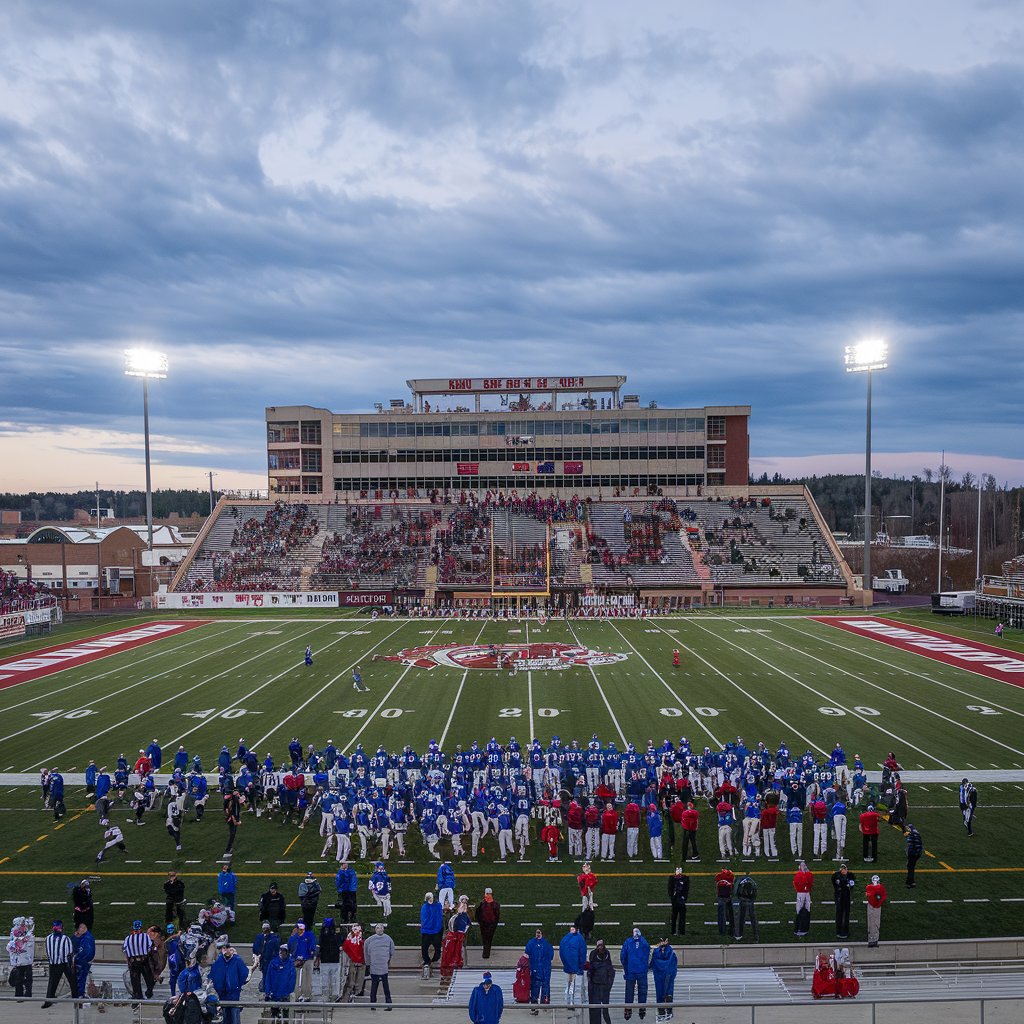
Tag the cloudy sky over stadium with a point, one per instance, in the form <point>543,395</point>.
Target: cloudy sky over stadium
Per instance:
<point>312,202</point>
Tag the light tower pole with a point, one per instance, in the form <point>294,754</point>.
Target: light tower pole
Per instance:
<point>866,357</point>
<point>140,362</point>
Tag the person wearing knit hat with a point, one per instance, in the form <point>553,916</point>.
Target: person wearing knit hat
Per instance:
<point>876,895</point>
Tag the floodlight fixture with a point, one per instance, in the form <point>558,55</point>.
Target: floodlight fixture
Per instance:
<point>145,363</point>
<point>870,354</point>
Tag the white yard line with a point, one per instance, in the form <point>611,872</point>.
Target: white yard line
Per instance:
<point>455,703</point>
<point>323,689</point>
<point>910,672</point>
<point>892,693</point>
<point>832,701</point>
<point>600,690</point>
<point>170,700</point>
<point>117,693</point>
<point>529,686</point>
<point>376,711</point>
<point>686,707</point>
<point>48,695</point>
<point>749,696</point>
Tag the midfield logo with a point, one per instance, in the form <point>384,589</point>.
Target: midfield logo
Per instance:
<point>511,657</point>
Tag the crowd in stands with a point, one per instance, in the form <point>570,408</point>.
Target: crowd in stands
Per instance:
<point>367,550</point>
<point>18,594</point>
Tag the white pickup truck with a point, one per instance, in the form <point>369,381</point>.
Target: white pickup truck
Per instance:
<point>894,582</point>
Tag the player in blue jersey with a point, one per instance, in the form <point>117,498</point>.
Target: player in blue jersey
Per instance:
<point>309,655</point>
<point>357,681</point>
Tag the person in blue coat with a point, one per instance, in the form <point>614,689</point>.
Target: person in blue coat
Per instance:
<point>279,981</point>
<point>84,947</point>
<point>229,976</point>
<point>572,951</point>
<point>445,885</point>
<point>155,754</point>
<point>664,967</point>
<point>174,961</point>
<point>635,956</point>
<point>265,948</point>
<point>190,979</point>
<point>57,795</point>
<point>91,772</point>
<point>541,954</point>
<point>431,928</point>
<point>486,1002</point>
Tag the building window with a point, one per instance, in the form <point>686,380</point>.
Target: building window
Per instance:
<point>311,432</point>
<point>716,456</point>
<point>716,428</point>
<point>311,461</point>
<point>282,433</point>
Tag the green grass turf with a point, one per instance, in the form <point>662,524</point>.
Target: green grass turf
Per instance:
<point>760,676</point>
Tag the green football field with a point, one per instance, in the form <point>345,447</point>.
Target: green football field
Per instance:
<point>772,677</point>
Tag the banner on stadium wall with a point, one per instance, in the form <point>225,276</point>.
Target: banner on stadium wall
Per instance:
<point>12,625</point>
<point>36,615</point>
<point>233,599</point>
<point>572,468</point>
<point>468,468</point>
<point>545,467</point>
<point>365,598</point>
<point>521,467</point>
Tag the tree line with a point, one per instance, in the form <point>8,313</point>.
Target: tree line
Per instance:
<point>59,506</point>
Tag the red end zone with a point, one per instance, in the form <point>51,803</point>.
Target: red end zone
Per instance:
<point>23,668</point>
<point>993,662</point>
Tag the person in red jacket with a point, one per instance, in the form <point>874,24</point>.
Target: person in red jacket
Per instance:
<point>355,982</point>
<point>869,830</point>
<point>551,835</point>
<point>819,811</point>
<point>587,881</point>
<point>675,659</point>
<point>876,896</point>
<point>632,815</point>
<point>769,821</point>
<point>803,883</point>
<point>688,819</point>
<point>143,766</point>
<point>609,828</point>
<point>574,823</point>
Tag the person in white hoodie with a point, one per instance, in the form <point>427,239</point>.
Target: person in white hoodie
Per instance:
<point>21,949</point>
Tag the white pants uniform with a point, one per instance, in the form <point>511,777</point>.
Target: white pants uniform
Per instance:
<point>796,838</point>
<point>820,838</point>
<point>522,834</point>
<point>725,841</point>
<point>431,842</point>
<point>632,841</point>
<point>446,897</point>
<point>506,848</point>
<point>364,838</point>
<point>344,844</point>
<point>593,779</point>
<point>456,845</point>
<point>751,837</point>
<point>575,842</point>
<point>384,902</point>
<point>593,843</point>
<point>399,837</point>
<point>607,847</point>
<point>770,849</point>
<point>385,843</point>
<point>656,847</point>
<point>839,827</point>
<point>570,988</point>
<point>803,901</point>
<point>330,980</point>
<point>615,779</point>
<point>326,823</point>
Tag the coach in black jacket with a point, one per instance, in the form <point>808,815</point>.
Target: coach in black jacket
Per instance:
<point>678,894</point>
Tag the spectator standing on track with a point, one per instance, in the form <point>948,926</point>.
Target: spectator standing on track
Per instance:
<point>279,982</point>
<point>227,885</point>
<point>328,960</point>
<point>803,884</point>
<point>272,907</point>
<point>352,947</point>
<point>136,948</point>
<point>309,899</point>
<point>81,901</point>
<point>84,953</point>
<point>541,954</point>
<point>876,896</point>
<point>746,893</point>
<point>664,967</point>
<point>21,949</point>
<point>678,894</point>
<point>488,914</point>
<point>229,975</point>
<point>843,884</point>
<point>431,928</point>
<point>602,977</point>
<point>60,954</point>
<point>572,951</point>
<point>968,804</point>
<point>724,881</point>
<point>635,957</point>
<point>869,830</point>
<point>264,948</point>
<point>378,950</point>
<point>174,900</point>
<point>232,819</point>
<point>302,946</point>
<point>486,1002</point>
<point>346,882</point>
<point>915,850</point>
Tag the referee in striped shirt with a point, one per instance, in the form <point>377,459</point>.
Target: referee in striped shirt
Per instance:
<point>136,947</point>
<point>60,955</point>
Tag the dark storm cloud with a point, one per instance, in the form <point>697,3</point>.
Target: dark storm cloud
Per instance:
<point>310,203</point>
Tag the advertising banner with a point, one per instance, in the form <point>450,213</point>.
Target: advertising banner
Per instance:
<point>572,468</point>
<point>247,599</point>
<point>545,467</point>
<point>365,598</point>
<point>12,625</point>
<point>468,468</point>
<point>520,467</point>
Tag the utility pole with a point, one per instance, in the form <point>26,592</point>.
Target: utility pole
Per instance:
<point>211,475</point>
<point>97,504</point>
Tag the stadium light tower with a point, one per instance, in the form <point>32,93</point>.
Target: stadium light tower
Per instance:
<point>866,357</point>
<point>149,365</point>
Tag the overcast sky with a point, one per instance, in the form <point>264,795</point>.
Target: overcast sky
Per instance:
<point>312,202</point>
